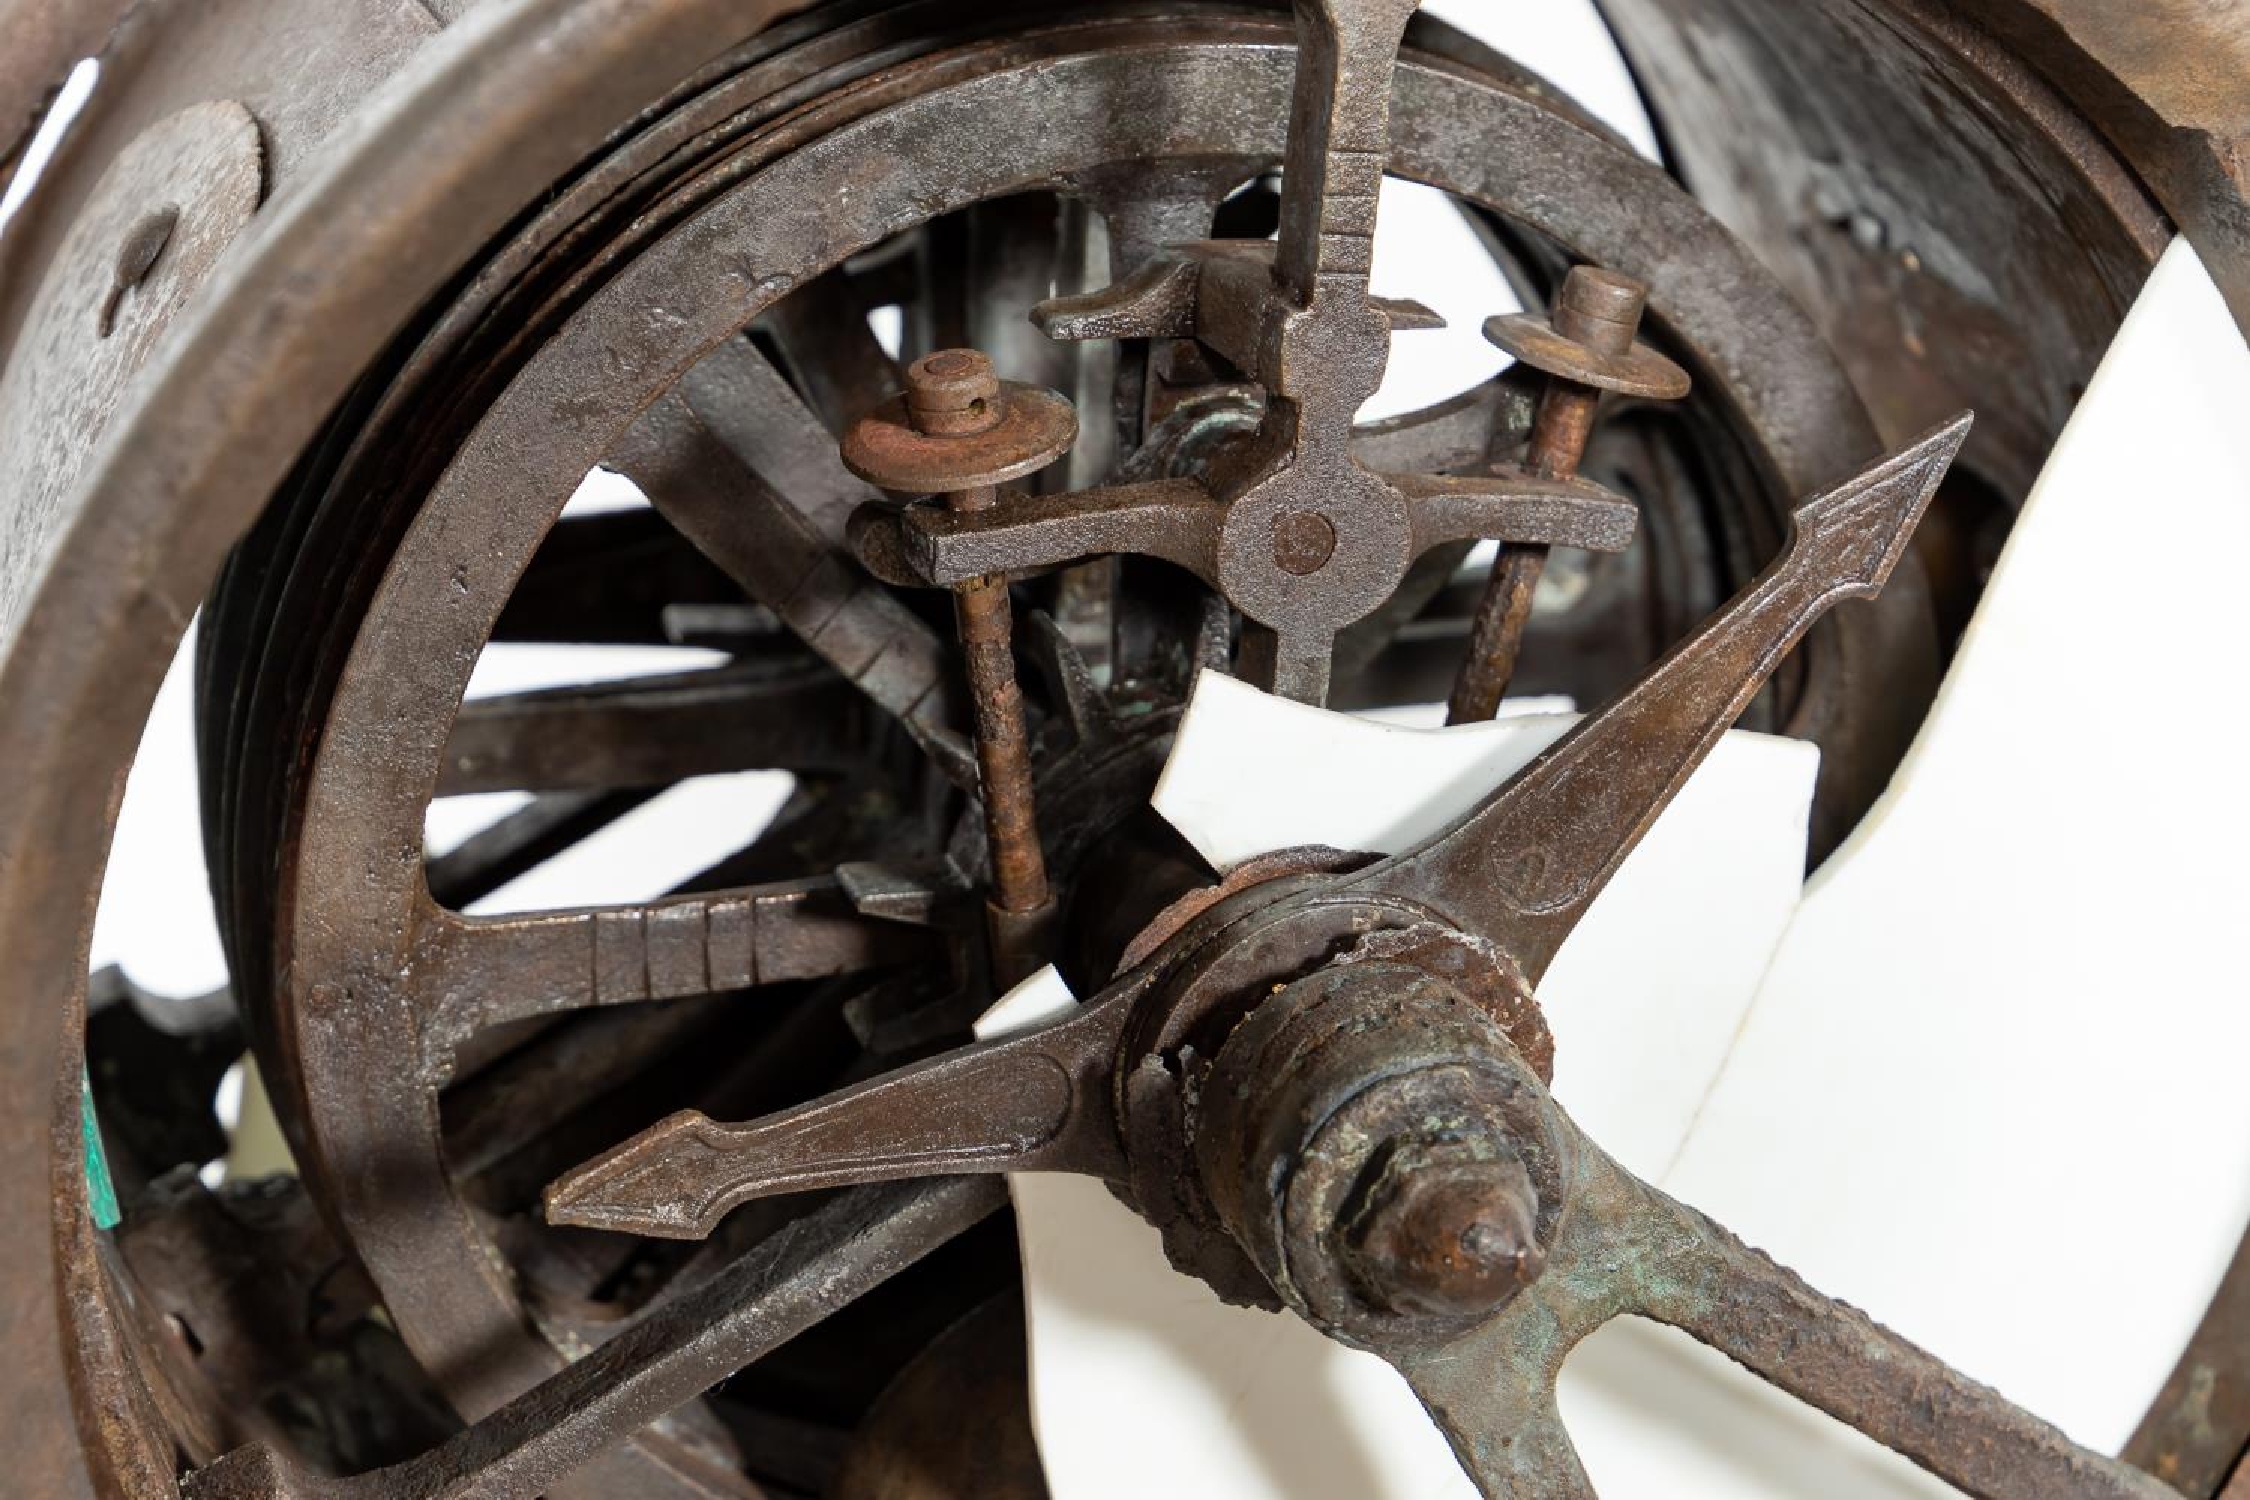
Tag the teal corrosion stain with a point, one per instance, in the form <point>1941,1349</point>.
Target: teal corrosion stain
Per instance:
<point>101,1192</point>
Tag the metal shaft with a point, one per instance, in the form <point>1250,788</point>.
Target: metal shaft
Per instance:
<point>987,624</point>
<point>954,393</point>
<point>1603,312</point>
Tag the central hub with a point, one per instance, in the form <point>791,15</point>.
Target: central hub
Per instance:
<point>1381,1151</point>
<point>1310,516</point>
<point>1447,1226</point>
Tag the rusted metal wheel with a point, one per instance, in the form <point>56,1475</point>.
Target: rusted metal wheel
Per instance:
<point>320,321</point>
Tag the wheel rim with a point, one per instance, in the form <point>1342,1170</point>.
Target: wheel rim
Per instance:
<point>453,1272</point>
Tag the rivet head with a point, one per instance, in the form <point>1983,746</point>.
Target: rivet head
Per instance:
<point>1303,541</point>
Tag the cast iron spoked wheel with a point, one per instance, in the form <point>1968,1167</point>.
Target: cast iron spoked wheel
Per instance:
<point>691,311</point>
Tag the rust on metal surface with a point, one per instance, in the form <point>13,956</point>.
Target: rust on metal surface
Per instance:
<point>1372,1142</point>
<point>910,449</point>
<point>965,433</point>
<point>788,1284</point>
<point>1564,824</point>
<point>647,239</point>
<point>2194,1436</point>
<point>1588,346</point>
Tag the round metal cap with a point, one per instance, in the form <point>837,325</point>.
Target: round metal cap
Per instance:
<point>1035,428</point>
<point>1638,371</point>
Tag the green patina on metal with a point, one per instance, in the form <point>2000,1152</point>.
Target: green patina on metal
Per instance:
<point>101,1192</point>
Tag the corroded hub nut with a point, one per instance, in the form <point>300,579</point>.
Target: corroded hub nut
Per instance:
<point>1382,1153</point>
<point>1447,1227</point>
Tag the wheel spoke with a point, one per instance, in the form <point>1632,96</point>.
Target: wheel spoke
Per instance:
<point>1460,433</point>
<point>1150,209</point>
<point>1146,212</point>
<point>522,1098</point>
<point>653,732</point>
<point>793,1280</point>
<point>1628,1250</point>
<point>746,404</point>
<point>608,579</point>
<point>477,972</point>
<point>2193,1428</point>
<point>1523,867</point>
<point>769,542</point>
<point>824,336</point>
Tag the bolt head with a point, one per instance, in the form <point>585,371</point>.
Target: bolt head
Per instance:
<point>1446,1231</point>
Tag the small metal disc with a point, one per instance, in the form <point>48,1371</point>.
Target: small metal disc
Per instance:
<point>1036,427</point>
<point>1639,371</point>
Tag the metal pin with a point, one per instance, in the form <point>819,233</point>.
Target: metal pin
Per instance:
<point>955,401</point>
<point>1588,347</point>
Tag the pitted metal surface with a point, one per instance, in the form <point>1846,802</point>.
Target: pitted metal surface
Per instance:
<point>188,344</point>
<point>157,224</point>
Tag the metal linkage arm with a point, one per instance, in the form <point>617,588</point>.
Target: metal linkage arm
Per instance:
<point>1183,522</point>
<point>680,1349</point>
<point>1236,295</point>
<point>1339,140</point>
<point>1164,300</point>
<point>1311,539</point>
<point>1290,525</point>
